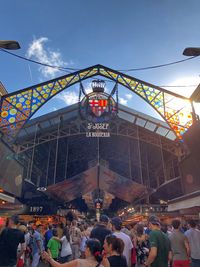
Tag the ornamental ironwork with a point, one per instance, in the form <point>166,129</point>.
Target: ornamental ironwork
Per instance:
<point>18,107</point>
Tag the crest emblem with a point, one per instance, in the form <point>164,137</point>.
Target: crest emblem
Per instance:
<point>98,106</point>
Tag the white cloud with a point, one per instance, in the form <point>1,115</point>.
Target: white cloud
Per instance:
<point>129,96</point>
<point>68,97</point>
<point>88,88</point>
<point>54,109</point>
<point>38,51</point>
<point>123,101</point>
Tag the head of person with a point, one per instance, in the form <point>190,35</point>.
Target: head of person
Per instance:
<point>104,219</point>
<point>154,222</point>
<point>69,218</point>
<point>164,228</point>
<point>140,229</point>
<point>13,221</point>
<point>128,226</point>
<point>113,244</point>
<point>61,225</point>
<point>74,223</point>
<point>23,228</point>
<point>116,224</point>
<point>192,224</point>
<point>55,232</point>
<point>93,248</point>
<point>32,225</point>
<point>50,227</point>
<point>39,228</point>
<point>176,224</point>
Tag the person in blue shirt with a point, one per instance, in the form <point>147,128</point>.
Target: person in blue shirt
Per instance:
<point>47,236</point>
<point>36,246</point>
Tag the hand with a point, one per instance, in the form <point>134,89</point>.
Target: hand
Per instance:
<point>104,254</point>
<point>46,256</point>
<point>105,261</point>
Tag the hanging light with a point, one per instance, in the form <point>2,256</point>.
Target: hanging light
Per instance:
<point>42,189</point>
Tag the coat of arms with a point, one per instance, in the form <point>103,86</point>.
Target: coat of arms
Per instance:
<point>98,106</point>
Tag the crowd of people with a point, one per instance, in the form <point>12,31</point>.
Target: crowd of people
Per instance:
<point>106,243</point>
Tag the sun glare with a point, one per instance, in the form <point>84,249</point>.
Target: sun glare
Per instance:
<point>191,83</point>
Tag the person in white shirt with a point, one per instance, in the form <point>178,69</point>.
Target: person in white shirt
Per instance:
<point>116,228</point>
<point>66,251</point>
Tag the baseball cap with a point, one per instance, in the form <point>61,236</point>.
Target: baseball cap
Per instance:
<point>116,221</point>
<point>104,218</point>
<point>15,219</point>
<point>154,220</point>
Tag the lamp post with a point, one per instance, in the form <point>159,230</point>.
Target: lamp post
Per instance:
<point>9,44</point>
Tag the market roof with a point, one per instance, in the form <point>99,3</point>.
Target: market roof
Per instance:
<point>50,120</point>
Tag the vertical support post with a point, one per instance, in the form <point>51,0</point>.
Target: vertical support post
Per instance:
<point>139,156</point>
<point>98,168</point>
<point>148,179</point>
<point>56,155</point>
<point>48,160</point>
<point>129,157</point>
<point>98,156</point>
<point>173,168</point>
<point>33,152</point>
<point>162,158</point>
<point>66,161</point>
<point>28,168</point>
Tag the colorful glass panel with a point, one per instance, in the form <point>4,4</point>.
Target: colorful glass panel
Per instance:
<point>17,108</point>
<point>10,114</point>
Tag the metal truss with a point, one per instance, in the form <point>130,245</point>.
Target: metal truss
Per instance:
<point>18,107</point>
<point>117,127</point>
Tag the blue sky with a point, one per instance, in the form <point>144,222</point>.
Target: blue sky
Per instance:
<point>115,33</point>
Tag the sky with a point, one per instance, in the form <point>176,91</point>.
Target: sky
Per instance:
<point>118,34</point>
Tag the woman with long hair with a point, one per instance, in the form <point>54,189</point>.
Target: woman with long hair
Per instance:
<point>66,251</point>
<point>142,245</point>
<point>92,254</point>
<point>113,247</point>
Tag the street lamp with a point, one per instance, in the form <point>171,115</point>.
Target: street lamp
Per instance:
<point>10,45</point>
<point>191,51</point>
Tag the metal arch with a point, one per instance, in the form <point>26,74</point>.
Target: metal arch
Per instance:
<point>18,107</point>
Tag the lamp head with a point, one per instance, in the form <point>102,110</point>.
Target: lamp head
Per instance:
<point>10,45</point>
<point>191,51</point>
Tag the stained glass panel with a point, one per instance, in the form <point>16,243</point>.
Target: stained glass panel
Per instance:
<point>17,108</point>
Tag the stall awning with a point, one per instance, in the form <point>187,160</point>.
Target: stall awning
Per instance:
<point>185,202</point>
